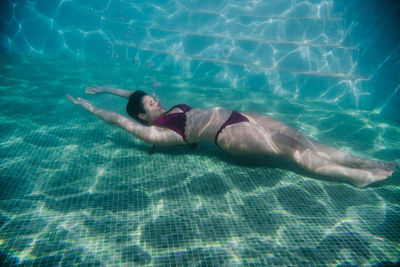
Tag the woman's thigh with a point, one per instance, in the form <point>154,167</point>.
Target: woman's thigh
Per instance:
<point>272,125</point>
<point>247,138</point>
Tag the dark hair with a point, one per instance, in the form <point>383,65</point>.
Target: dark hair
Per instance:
<point>135,106</point>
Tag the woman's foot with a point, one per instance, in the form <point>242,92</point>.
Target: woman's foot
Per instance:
<point>375,175</point>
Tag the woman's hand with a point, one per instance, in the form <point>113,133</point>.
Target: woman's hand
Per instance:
<point>80,102</point>
<point>96,89</point>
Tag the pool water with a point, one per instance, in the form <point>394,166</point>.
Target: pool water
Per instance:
<point>76,191</point>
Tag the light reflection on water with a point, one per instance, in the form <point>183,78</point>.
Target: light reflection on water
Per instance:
<point>77,191</point>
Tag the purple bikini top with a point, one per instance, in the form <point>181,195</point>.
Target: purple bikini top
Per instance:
<point>174,121</point>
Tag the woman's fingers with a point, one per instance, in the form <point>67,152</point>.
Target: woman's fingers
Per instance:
<point>95,89</point>
<point>70,98</point>
<point>77,101</point>
<point>90,90</point>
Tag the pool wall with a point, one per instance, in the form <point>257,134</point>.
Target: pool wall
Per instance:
<point>338,51</point>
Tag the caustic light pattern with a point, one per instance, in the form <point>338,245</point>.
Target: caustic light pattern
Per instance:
<point>297,48</point>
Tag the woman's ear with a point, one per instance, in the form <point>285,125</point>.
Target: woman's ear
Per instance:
<point>142,116</point>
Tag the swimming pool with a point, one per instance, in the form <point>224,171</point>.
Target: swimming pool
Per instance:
<point>76,191</point>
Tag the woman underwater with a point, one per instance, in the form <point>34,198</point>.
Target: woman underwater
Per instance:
<point>235,132</point>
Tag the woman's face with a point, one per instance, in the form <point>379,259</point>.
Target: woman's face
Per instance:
<point>152,107</point>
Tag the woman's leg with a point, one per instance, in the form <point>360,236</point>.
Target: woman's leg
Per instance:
<point>321,149</point>
<point>336,155</point>
<point>349,160</point>
<point>248,138</point>
<point>313,161</point>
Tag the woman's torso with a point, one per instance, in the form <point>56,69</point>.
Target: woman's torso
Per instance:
<point>205,124</point>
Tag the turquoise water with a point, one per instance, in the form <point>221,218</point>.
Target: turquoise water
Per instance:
<point>74,190</point>
<point>341,51</point>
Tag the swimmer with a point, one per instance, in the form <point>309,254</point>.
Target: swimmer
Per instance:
<point>235,132</point>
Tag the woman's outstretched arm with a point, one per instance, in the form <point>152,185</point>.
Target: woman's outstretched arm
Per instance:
<point>149,134</point>
<point>97,89</point>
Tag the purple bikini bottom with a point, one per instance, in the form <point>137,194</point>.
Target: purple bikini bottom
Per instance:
<point>235,117</point>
